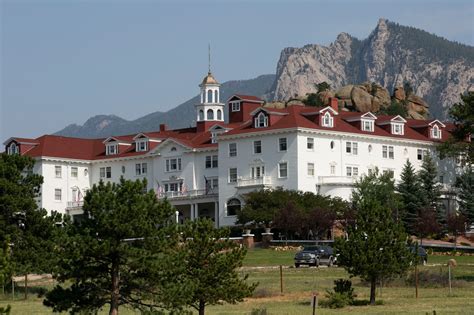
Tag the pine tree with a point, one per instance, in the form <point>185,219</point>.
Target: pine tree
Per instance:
<point>465,184</point>
<point>411,197</point>
<point>211,262</point>
<point>121,253</point>
<point>431,190</point>
<point>376,247</point>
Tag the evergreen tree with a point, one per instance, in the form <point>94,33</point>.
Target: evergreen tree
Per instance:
<point>431,190</point>
<point>121,253</point>
<point>376,247</point>
<point>458,146</point>
<point>323,86</point>
<point>210,262</point>
<point>465,184</point>
<point>28,230</point>
<point>411,197</point>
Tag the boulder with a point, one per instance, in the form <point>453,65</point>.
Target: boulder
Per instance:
<point>375,104</point>
<point>416,111</point>
<point>399,93</point>
<point>361,100</point>
<point>344,92</point>
<point>417,100</point>
<point>383,95</point>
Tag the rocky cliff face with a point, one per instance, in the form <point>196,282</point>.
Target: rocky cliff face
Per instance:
<point>437,69</point>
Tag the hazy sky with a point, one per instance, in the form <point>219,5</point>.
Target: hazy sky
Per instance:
<point>65,61</point>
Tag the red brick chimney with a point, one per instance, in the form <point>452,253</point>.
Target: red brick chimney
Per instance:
<point>163,127</point>
<point>334,103</point>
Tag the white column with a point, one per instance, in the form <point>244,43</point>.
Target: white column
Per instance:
<point>216,214</point>
<point>196,211</point>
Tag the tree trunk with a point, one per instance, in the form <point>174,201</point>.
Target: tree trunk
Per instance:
<point>115,290</point>
<point>372,291</point>
<point>202,306</point>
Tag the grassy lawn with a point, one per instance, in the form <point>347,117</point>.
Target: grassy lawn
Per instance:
<point>299,284</point>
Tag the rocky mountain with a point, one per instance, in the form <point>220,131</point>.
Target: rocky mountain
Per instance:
<point>438,70</point>
<point>179,117</point>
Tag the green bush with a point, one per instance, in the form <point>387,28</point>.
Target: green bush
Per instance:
<point>342,295</point>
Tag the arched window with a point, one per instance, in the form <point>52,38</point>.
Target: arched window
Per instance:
<point>219,114</point>
<point>327,120</point>
<point>332,145</point>
<point>216,96</point>
<point>435,132</point>
<point>261,121</point>
<point>210,114</point>
<point>209,96</point>
<point>201,114</point>
<point>233,205</point>
<point>13,149</point>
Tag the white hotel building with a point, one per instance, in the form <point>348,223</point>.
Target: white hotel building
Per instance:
<point>205,171</point>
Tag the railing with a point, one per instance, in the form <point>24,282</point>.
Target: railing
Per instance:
<point>187,193</point>
<point>337,180</point>
<point>260,181</point>
<point>75,204</point>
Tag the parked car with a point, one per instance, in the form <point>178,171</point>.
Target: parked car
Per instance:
<point>315,255</point>
<point>422,254</point>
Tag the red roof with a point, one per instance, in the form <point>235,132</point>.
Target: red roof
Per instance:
<point>248,98</point>
<point>295,116</point>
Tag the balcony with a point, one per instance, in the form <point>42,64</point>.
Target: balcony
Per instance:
<point>254,182</point>
<point>337,180</point>
<point>195,193</point>
<point>75,204</point>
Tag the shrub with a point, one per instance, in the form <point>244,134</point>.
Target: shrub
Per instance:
<point>342,295</point>
<point>259,311</point>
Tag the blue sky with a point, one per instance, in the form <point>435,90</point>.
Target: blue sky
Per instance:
<point>65,61</point>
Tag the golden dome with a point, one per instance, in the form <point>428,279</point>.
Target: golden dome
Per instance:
<point>209,79</point>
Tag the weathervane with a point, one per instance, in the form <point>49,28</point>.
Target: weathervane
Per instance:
<point>209,55</point>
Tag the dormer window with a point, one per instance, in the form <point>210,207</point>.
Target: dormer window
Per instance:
<point>368,125</point>
<point>397,129</point>
<point>235,106</point>
<point>327,120</point>
<point>13,149</point>
<point>142,145</point>
<point>261,121</point>
<point>111,149</point>
<point>435,132</point>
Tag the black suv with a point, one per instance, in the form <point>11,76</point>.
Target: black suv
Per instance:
<point>422,254</point>
<point>315,255</point>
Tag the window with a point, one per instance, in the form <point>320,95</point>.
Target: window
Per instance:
<point>333,169</point>
<point>387,152</point>
<point>441,179</point>
<point>57,194</point>
<point>332,145</point>
<point>310,169</point>
<point>352,171</point>
<point>210,114</point>
<point>232,149</point>
<point>173,165</point>
<point>201,114</point>
<point>209,96</point>
<point>235,106</point>
<point>176,186</point>
<point>257,171</point>
<point>282,169</point>
<point>310,144</point>
<point>111,149</point>
<point>211,161</point>
<point>327,120</point>
<point>282,144</point>
<point>352,148</point>
<point>58,171</point>
<point>74,172</point>
<point>232,175</point>
<point>388,171</point>
<point>13,149</point>
<point>368,125</point>
<point>219,114</point>
<point>233,206</point>
<point>261,120</point>
<point>397,129</point>
<point>420,154</point>
<point>435,132</point>
<point>105,172</point>
<point>257,147</point>
<point>369,148</point>
<point>142,145</point>
<point>141,169</point>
